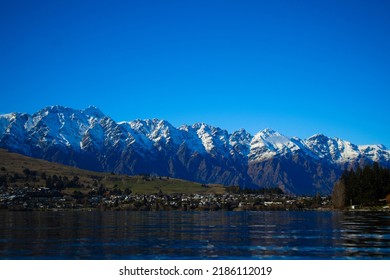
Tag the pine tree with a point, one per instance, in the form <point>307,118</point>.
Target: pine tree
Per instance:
<point>362,186</point>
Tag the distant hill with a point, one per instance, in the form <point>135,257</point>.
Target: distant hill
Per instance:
<point>202,153</point>
<point>19,170</point>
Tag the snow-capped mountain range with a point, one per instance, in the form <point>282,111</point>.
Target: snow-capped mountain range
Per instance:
<point>200,152</point>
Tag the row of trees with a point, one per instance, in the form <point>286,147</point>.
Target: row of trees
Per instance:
<point>62,182</point>
<point>30,177</point>
<point>239,190</point>
<point>364,187</point>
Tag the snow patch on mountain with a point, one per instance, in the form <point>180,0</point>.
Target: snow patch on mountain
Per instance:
<point>204,133</point>
<point>191,139</point>
<point>240,143</point>
<point>333,149</point>
<point>269,143</point>
<point>375,152</point>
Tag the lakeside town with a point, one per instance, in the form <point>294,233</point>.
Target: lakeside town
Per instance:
<point>28,184</point>
<point>28,198</point>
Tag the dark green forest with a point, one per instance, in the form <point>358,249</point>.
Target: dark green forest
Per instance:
<point>366,186</point>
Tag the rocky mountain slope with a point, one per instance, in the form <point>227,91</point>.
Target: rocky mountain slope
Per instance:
<point>91,140</point>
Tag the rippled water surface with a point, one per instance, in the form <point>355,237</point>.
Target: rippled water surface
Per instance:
<point>194,235</point>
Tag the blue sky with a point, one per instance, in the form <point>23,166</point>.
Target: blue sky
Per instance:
<point>299,67</point>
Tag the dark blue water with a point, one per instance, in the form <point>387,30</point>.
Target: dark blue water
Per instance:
<point>194,235</point>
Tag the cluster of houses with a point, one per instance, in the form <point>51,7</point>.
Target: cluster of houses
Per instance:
<point>26,198</point>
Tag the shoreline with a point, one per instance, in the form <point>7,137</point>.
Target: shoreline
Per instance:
<point>361,210</point>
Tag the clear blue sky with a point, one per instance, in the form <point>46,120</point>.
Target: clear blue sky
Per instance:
<point>299,67</point>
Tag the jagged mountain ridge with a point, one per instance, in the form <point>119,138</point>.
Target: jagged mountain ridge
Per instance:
<point>91,140</point>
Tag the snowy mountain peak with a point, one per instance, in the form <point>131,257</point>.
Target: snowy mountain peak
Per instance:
<point>332,149</point>
<point>269,132</point>
<point>240,142</point>
<point>154,132</point>
<point>10,116</point>
<point>54,109</point>
<point>269,143</point>
<point>149,126</point>
<point>272,138</point>
<point>93,111</point>
<point>203,126</point>
<point>318,137</point>
<point>377,153</point>
<point>242,134</point>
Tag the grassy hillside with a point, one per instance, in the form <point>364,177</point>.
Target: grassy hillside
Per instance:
<point>39,170</point>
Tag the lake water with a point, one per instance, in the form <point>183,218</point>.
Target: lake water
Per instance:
<point>194,235</point>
